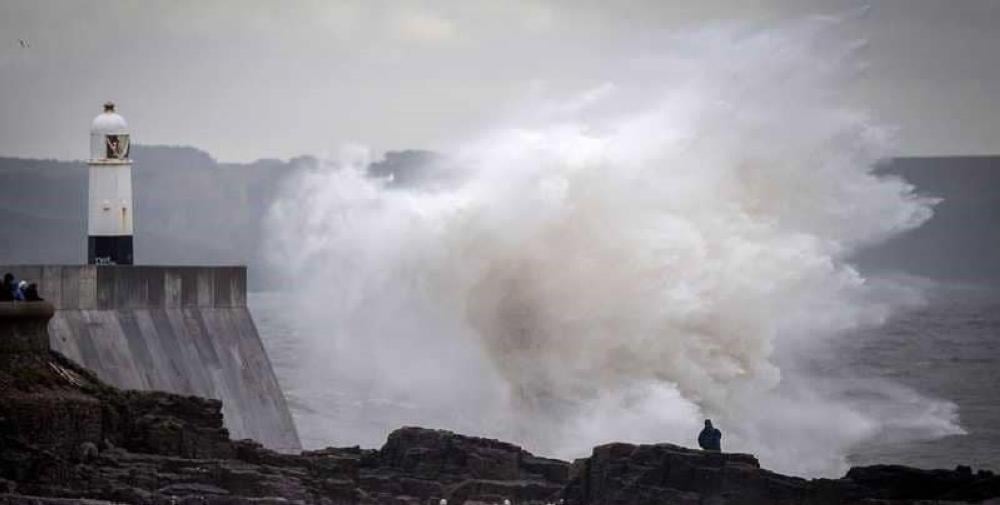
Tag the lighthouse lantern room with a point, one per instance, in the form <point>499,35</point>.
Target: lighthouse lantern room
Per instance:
<point>109,223</point>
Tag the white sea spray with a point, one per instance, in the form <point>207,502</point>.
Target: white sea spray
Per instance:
<point>616,266</point>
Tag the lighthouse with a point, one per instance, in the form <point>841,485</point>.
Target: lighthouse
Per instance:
<point>109,218</point>
<point>177,309</point>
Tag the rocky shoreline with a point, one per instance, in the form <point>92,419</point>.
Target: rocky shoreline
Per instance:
<point>68,438</point>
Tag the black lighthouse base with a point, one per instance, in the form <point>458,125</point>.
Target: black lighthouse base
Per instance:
<point>109,250</point>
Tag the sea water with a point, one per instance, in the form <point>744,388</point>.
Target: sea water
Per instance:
<point>948,349</point>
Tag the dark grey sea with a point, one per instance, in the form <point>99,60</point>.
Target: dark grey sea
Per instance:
<point>947,349</point>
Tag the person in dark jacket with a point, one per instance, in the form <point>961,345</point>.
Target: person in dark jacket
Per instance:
<point>31,294</point>
<point>7,288</point>
<point>710,438</point>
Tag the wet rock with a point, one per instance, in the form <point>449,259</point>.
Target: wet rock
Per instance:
<point>163,449</point>
<point>87,452</point>
<point>895,482</point>
<point>665,473</point>
<point>443,455</point>
<point>191,489</point>
<point>496,491</point>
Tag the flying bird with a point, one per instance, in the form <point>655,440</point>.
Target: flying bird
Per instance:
<point>24,43</point>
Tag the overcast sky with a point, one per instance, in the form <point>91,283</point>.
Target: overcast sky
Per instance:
<point>250,79</point>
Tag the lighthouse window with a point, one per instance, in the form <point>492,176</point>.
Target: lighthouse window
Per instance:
<point>117,147</point>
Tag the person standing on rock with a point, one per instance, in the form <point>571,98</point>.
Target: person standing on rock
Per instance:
<point>710,438</point>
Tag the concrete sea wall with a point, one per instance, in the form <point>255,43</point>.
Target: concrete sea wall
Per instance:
<point>184,330</point>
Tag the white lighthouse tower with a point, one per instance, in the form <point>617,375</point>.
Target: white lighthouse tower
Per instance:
<point>109,223</point>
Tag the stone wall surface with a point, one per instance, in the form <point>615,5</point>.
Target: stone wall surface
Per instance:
<point>184,330</point>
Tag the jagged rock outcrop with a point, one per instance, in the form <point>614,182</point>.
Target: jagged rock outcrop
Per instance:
<point>54,404</point>
<point>641,474</point>
<point>66,434</point>
<point>66,438</point>
<point>426,463</point>
<point>665,473</point>
<point>895,482</point>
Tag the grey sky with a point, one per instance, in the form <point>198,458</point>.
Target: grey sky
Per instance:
<point>247,79</point>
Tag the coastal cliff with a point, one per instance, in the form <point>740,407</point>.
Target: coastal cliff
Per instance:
<point>66,437</point>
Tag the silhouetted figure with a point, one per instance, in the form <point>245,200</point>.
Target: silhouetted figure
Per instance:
<point>31,293</point>
<point>7,288</point>
<point>710,438</point>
